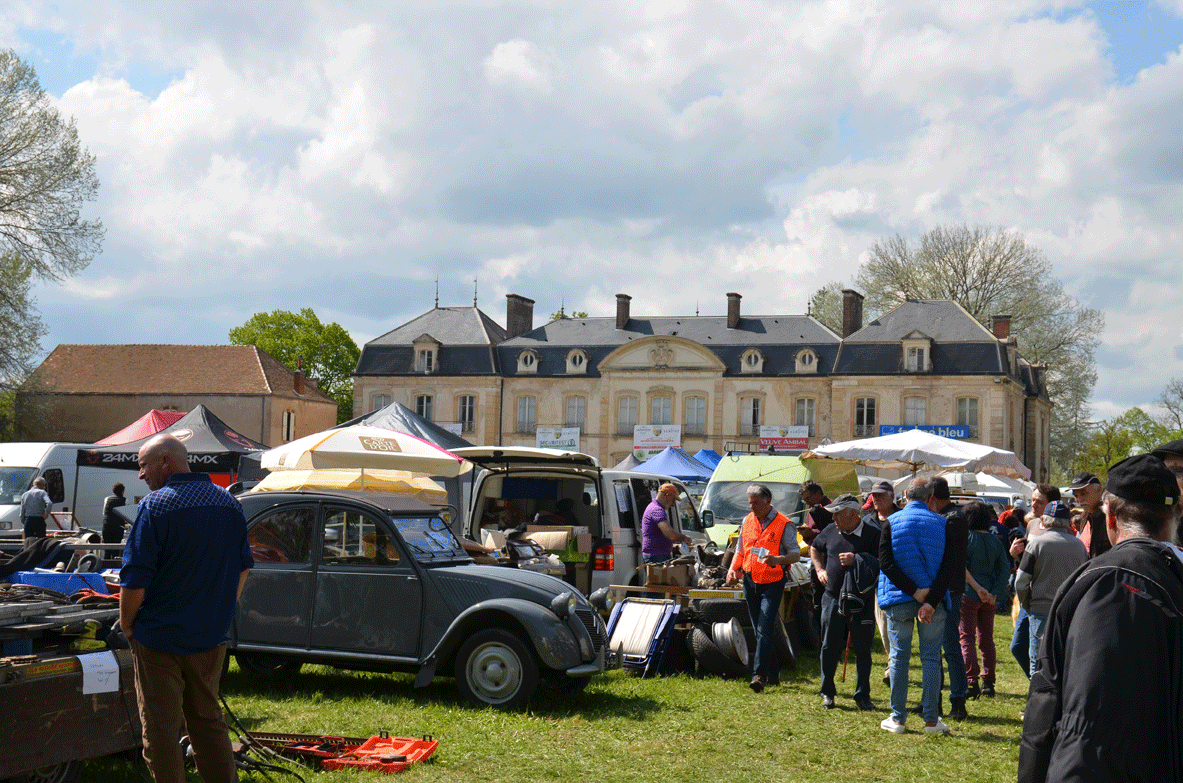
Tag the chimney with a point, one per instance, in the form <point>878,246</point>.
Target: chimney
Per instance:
<point>298,381</point>
<point>1000,326</point>
<point>519,315</point>
<point>852,312</point>
<point>733,310</point>
<point>622,301</point>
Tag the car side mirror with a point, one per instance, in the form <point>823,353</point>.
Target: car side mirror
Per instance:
<point>708,518</point>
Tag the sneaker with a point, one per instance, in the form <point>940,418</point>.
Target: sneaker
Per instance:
<point>864,704</point>
<point>888,724</point>
<point>827,702</point>
<point>757,684</point>
<point>939,728</point>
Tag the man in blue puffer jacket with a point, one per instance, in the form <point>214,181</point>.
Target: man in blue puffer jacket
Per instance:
<point>914,578</point>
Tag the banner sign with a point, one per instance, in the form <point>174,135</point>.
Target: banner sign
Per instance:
<point>955,431</point>
<point>561,438</point>
<point>784,438</point>
<point>226,462</point>
<point>456,428</point>
<point>650,439</point>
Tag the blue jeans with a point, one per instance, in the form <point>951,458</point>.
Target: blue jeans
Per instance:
<point>900,620</point>
<point>835,627</point>
<point>1035,633</point>
<point>958,687</point>
<point>764,609</point>
<point>1020,645</point>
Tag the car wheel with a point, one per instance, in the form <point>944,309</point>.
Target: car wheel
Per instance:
<point>262,663</point>
<point>712,660</point>
<point>720,610</point>
<point>495,667</point>
<point>784,646</point>
<point>66,772</point>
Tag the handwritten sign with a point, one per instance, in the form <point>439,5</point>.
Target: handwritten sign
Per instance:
<point>100,672</point>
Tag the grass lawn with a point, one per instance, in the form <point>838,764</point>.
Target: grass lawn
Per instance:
<point>626,729</point>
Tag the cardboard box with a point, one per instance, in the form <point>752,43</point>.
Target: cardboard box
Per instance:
<point>583,543</point>
<point>671,575</point>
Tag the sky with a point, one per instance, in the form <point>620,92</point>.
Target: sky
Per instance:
<point>345,157</point>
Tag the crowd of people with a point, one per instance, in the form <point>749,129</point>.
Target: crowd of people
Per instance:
<point>1096,585</point>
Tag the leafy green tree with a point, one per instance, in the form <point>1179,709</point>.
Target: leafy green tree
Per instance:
<point>561,314</point>
<point>1133,432</point>
<point>991,271</point>
<point>826,305</point>
<point>328,352</point>
<point>46,177</point>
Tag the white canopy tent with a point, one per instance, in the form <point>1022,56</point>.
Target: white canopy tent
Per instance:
<point>916,450</point>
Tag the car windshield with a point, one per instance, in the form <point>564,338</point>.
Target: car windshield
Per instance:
<point>429,538</point>
<point>728,500</point>
<point>14,482</point>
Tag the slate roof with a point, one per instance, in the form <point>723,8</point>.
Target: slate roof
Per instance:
<point>941,319</point>
<point>466,336</point>
<point>779,338</point>
<point>167,369</point>
<point>449,325</point>
<point>960,345</point>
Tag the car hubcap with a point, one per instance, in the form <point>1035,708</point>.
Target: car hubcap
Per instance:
<point>494,672</point>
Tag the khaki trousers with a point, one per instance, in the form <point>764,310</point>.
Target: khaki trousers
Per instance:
<point>175,691</point>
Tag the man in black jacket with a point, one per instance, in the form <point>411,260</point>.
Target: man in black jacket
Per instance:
<point>1106,699</point>
<point>835,552</point>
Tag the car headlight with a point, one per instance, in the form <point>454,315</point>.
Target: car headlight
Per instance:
<point>603,600</point>
<point>563,604</point>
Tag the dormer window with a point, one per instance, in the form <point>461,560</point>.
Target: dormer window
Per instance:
<point>528,361</point>
<point>917,348</point>
<point>806,361</point>
<point>426,354</point>
<point>752,361</point>
<point>577,362</point>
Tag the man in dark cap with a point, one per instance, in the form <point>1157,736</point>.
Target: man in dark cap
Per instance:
<point>1090,521</point>
<point>1049,560</point>
<point>1106,699</point>
<point>1171,455</point>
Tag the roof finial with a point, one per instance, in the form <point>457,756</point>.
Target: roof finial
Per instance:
<point>437,293</point>
<point>474,292</point>
<point>696,309</point>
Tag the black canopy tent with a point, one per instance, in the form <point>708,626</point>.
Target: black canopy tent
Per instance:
<point>213,446</point>
<point>400,418</point>
<point>396,417</point>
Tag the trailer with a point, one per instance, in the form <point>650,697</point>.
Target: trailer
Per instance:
<point>60,707</point>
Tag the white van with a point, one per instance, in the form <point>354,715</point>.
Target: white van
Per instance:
<point>75,488</point>
<point>518,483</point>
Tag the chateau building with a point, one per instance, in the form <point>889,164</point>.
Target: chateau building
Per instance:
<point>717,379</point>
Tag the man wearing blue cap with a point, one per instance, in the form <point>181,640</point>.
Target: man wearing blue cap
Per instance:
<point>1106,698</point>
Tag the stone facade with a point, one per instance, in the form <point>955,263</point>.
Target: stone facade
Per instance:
<point>925,362</point>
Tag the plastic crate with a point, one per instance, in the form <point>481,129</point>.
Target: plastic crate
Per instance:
<point>63,583</point>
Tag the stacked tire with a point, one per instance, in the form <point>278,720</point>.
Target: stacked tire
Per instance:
<point>712,658</point>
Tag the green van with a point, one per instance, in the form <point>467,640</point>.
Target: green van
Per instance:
<point>726,495</point>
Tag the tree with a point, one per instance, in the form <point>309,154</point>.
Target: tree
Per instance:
<point>1133,432</point>
<point>991,271</point>
<point>328,352</point>
<point>561,314</point>
<point>826,305</point>
<point>1171,402</point>
<point>46,177</point>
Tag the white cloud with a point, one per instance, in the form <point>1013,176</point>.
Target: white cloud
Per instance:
<point>344,156</point>
<point>519,63</point>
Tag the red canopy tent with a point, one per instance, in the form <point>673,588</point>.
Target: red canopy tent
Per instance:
<point>150,423</point>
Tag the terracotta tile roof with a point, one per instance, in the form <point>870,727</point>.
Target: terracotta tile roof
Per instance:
<point>166,369</point>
